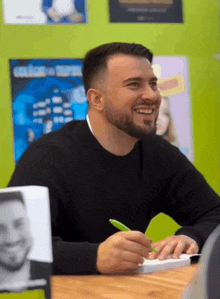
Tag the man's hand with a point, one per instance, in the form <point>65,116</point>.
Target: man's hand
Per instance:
<point>174,246</point>
<point>122,252</point>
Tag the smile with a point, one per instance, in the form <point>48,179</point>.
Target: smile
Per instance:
<point>144,111</point>
<point>12,249</point>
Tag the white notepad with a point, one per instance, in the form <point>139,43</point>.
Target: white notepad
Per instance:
<point>156,265</point>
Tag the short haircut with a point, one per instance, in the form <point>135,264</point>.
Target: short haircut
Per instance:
<point>96,59</point>
<point>13,195</point>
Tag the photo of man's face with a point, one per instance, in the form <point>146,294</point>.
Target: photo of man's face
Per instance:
<point>15,237</point>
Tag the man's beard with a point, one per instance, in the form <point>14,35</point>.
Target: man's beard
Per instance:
<point>12,264</point>
<point>126,124</point>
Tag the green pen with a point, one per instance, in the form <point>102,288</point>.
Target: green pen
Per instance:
<point>124,228</point>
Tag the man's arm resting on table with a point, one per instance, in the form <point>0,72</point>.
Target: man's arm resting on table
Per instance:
<point>73,257</point>
<point>188,239</point>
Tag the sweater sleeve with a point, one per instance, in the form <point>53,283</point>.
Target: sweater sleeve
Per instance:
<point>201,229</point>
<point>74,257</point>
<point>38,167</point>
<point>190,201</point>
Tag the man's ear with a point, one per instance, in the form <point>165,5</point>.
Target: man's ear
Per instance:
<point>95,98</point>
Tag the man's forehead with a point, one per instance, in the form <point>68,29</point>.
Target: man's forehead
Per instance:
<point>123,60</point>
<point>12,209</point>
<point>125,66</point>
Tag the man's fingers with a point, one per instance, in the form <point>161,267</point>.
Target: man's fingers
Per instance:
<point>136,248</point>
<point>159,247</point>
<point>167,250</point>
<point>193,249</point>
<point>180,247</point>
<point>175,246</point>
<point>138,237</point>
<point>132,257</point>
<point>133,242</point>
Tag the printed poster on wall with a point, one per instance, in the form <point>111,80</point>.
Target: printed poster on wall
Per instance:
<point>174,121</point>
<point>145,11</point>
<point>48,93</point>
<point>45,12</point>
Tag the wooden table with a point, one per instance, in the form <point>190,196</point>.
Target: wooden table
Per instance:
<point>168,284</point>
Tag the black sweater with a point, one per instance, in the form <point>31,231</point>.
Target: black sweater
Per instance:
<point>88,185</point>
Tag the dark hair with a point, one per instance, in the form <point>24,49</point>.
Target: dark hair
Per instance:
<point>13,195</point>
<point>96,59</point>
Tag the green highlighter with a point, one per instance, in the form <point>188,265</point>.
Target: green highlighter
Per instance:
<point>124,228</point>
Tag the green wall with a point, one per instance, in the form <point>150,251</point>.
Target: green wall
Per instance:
<point>197,38</point>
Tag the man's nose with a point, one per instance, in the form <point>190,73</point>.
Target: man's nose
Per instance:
<point>150,94</point>
<point>11,236</point>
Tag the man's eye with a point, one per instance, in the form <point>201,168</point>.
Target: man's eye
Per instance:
<point>135,84</point>
<point>154,83</point>
<point>19,224</point>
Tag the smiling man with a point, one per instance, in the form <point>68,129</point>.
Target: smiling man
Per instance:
<point>126,103</point>
<point>16,241</point>
<point>113,165</point>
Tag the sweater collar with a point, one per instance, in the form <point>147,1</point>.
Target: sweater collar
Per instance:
<point>89,124</point>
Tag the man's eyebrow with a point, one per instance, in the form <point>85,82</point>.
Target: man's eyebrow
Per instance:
<point>139,79</point>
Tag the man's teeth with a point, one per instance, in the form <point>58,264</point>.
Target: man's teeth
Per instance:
<point>145,111</point>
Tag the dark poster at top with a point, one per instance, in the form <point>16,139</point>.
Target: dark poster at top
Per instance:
<point>146,11</point>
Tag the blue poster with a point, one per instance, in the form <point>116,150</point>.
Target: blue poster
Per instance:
<point>46,93</point>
